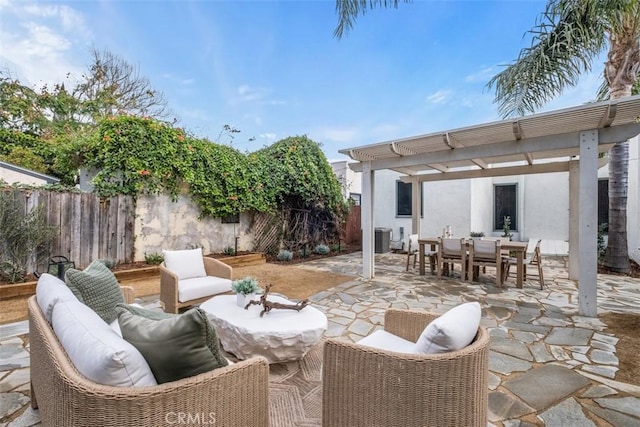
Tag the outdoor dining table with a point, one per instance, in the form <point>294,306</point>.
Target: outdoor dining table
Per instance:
<point>520,249</point>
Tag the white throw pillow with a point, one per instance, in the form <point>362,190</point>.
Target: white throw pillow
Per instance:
<point>452,331</point>
<point>96,350</point>
<point>49,291</point>
<point>185,264</point>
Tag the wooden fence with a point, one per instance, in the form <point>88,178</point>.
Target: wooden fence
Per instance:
<point>352,227</point>
<point>89,227</point>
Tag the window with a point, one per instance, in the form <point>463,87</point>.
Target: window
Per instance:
<point>603,201</point>
<point>231,219</point>
<point>404,199</point>
<point>505,204</point>
<point>355,198</point>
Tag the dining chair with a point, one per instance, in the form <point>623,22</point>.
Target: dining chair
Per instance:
<point>486,253</point>
<point>535,260</point>
<point>452,251</point>
<point>413,252</point>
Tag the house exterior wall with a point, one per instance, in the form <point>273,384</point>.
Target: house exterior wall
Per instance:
<point>633,202</point>
<point>467,205</point>
<point>13,174</point>
<point>350,181</point>
<point>163,224</point>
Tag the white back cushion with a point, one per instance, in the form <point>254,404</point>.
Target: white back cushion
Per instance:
<point>96,350</point>
<point>452,331</point>
<point>49,291</point>
<point>185,264</point>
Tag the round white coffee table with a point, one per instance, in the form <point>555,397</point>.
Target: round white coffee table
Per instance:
<point>280,335</point>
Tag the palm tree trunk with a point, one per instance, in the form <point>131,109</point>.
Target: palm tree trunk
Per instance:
<point>621,72</point>
<point>616,256</point>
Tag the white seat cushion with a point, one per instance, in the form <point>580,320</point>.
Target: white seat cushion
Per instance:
<point>384,340</point>
<point>198,287</point>
<point>96,350</point>
<point>49,291</point>
<point>452,331</point>
<point>185,264</point>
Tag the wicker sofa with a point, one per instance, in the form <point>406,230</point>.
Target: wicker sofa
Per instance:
<point>236,395</point>
<point>364,386</point>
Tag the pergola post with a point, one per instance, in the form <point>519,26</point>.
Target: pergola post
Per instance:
<point>416,199</point>
<point>366,217</point>
<point>574,220</point>
<point>588,217</point>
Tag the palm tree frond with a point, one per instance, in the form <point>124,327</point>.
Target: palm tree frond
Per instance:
<point>565,40</point>
<point>349,10</point>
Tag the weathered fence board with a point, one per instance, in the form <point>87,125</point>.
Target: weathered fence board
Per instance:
<point>89,228</point>
<point>352,228</point>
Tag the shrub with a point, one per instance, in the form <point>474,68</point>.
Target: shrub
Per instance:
<point>153,258</point>
<point>24,237</point>
<point>476,234</point>
<point>304,252</point>
<point>229,251</point>
<point>321,249</point>
<point>602,230</point>
<point>284,255</point>
<point>246,286</point>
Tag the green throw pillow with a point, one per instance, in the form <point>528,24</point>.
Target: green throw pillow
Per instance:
<point>97,288</point>
<point>175,345</point>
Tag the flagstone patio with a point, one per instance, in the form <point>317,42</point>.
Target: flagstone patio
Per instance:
<point>548,365</point>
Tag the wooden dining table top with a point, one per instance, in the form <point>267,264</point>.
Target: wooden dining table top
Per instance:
<point>510,245</point>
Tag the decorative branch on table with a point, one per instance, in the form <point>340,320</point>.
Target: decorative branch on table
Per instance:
<point>268,305</point>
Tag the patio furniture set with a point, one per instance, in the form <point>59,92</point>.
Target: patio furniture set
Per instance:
<point>98,359</point>
<point>473,254</point>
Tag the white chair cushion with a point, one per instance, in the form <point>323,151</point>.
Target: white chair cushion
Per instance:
<point>96,350</point>
<point>199,287</point>
<point>452,331</point>
<point>384,340</point>
<point>185,264</point>
<point>49,291</point>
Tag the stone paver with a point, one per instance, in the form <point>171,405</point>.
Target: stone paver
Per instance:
<point>542,386</point>
<point>548,365</point>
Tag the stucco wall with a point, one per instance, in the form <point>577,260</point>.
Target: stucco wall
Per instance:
<point>633,201</point>
<point>545,210</point>
<point>12,177</point>
<point>447,203</point>
<point>163,224</point>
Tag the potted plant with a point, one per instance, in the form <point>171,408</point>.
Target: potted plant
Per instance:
<point>476,235</point>
<point>245,288</point>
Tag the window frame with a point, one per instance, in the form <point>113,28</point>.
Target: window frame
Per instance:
<point>499,221</point>
<point>410,184</point>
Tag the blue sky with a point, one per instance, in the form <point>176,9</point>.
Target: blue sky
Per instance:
<point>273,69</point>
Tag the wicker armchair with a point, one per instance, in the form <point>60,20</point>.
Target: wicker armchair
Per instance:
<point>236,395</point>
<point>169,284</point>
<point>363,386</point>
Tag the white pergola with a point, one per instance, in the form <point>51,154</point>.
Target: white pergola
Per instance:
<point>569,140</point>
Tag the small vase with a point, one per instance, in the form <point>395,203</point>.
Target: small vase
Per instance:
<point>240,300</point>
<point>243,300</point>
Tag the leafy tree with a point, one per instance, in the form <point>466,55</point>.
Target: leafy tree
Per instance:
<point>568,37</point>
<point>113,86</point>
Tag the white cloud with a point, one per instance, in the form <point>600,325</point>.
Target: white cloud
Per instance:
<point>268,136</point>
<point>343,135</point>
<point>39,42</point>
<point>439,97</point>
<point>483,75</point>
<point>70,19</point>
